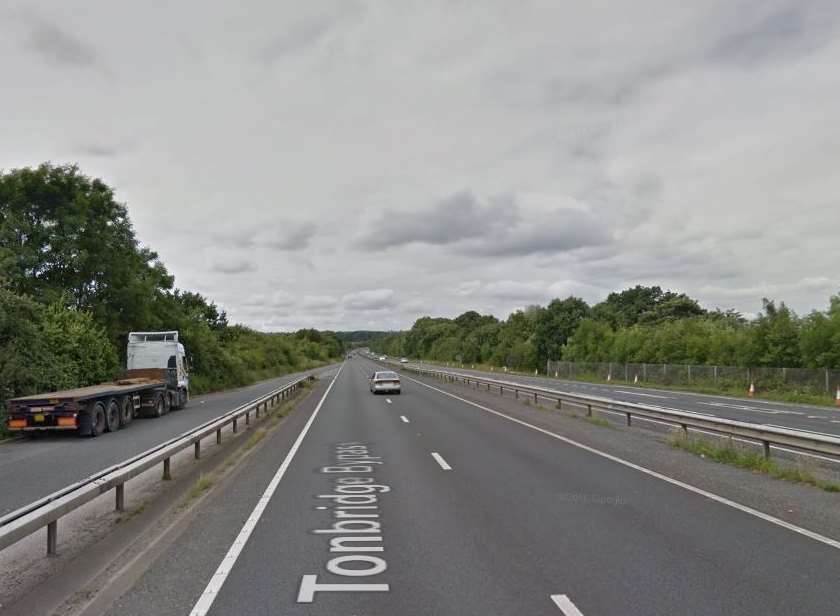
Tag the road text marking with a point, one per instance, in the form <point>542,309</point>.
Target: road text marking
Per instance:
<point>439,459</point>
<point>566,606</point>
<point>205,601</point>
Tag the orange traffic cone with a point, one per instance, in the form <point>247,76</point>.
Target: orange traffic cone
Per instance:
<point>751,392</point>
<point>837,397</point>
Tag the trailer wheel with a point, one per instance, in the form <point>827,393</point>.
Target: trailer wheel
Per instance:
<point>126,411</point>
<point>160,405</point>
<point>97,414</point>
<point>112,415</point>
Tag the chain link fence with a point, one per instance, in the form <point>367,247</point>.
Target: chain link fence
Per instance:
<point>805,380</point>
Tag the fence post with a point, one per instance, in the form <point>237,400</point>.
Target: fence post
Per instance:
<point>689,373</point>
<point>827,385</point>
<point>119,492</point>
<point>52,538</point>
<point>644,372</point>
<point>715,376</point>
<point>626,372</point>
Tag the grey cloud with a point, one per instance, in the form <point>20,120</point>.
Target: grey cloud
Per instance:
<point>106,150</point>
<point>498,228</point>
<point>454,218</point>
<point>58,46</point>
<point>280,235</point>
<point>292,236</point>
<point>789,31</point>
<point>308,32</point>
<point>374,299</point>
<point>234,267</point>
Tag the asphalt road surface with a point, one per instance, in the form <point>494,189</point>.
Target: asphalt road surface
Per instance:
<point>425,504</point>
<point>809,418</point>
<point>32,468</point>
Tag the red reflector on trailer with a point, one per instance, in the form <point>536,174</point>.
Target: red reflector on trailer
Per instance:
<point>67,421</point>
<point>17,423</point>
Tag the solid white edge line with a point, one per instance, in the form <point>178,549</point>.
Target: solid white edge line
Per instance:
<point>404,418</point>
<point>710,495</point>
<point>566,606</point>
<point>205,601</point>
<point>439,459</point>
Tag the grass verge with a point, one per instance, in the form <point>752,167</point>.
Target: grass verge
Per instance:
<point>754,461</point>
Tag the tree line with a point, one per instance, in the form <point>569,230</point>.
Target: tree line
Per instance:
<point>74,280</point>
<point>643,324</point>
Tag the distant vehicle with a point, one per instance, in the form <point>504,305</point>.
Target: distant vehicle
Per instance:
<point>404,360</point>
<point>155,381</point>
<point>383,357</point>
<point>385,382</point>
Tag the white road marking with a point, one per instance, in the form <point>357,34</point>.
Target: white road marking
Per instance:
<point>205,601</point>
<point>404,418</point>
<point>566,606</point>
<point>835,421</point>
<point>388,400</point>
<point>439,459</point>
<point>815,417</point>
<point>739,407</point>
<point>636,393</point>
<point>681,484</point>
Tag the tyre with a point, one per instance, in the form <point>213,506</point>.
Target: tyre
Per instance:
<point>126,411</point>
<point>160,406</point>
<point>112,415</point>
<point>97,425</point>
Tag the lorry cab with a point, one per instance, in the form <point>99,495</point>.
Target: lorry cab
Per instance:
<point>148,350</point>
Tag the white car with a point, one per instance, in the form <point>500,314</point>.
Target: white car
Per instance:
<point>382,358</point>
<point>384,381</point>
<point>404,360</point>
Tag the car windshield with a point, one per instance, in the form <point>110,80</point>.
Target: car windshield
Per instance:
<point>386,375</point>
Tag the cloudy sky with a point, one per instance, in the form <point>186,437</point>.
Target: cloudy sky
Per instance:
<point>355,164</point>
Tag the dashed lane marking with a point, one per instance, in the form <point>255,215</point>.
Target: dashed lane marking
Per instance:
<point>439,459</point>
<point>566,606</point>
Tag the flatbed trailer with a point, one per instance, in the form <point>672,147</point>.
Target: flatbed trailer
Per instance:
<point>98,408</point>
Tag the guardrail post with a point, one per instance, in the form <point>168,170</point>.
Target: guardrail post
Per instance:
<point>219,436</point>
<point>197,449</point>
<point>516,394</point>
<point>119,492</point>
<point>685,430</point>
<point>535,399</point>
<point>766,449</point>
<point>234,425</point>
<point>628,418</point>
<point>501,390</point>
<point>167,475</point>
<point>52,538</point>
<point>559,404</point>
<point>248,418</point>
<point>589,410</point>
<point>258,411</point>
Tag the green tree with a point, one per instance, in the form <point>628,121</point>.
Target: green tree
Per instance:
<point>63,235</point>
<point>556,324</point>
